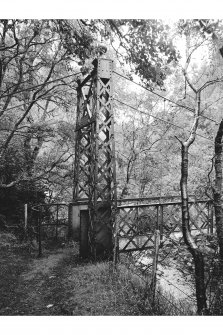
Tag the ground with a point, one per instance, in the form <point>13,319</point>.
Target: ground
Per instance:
<point>59,283</point>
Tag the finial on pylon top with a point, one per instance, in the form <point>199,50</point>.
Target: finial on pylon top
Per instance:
<point>101,50</point>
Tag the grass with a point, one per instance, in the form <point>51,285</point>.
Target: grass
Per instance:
<point>93,289</point>
<point>12,265</point>
<point>60,283</point>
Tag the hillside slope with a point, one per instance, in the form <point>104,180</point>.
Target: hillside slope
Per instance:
<point>60,283</point>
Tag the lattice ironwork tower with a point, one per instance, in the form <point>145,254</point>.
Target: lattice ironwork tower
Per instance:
<point>95,177</point>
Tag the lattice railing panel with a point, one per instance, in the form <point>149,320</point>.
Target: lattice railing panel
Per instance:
<point>171,219</point>
<point>136,227</point>
<point>137,223</point>
<point>199,216</point>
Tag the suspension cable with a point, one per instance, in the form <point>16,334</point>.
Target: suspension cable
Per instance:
<point>160,119</point>
<point>166,99</point>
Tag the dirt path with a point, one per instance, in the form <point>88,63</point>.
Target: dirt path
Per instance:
<point>34,286</point>
<point>60,283</point>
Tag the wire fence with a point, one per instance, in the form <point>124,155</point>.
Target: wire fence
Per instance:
<point>48,224</point>
<point>155,278</point>
<point>167,267</point>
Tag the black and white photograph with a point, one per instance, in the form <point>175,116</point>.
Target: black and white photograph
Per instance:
<point>111,183</point>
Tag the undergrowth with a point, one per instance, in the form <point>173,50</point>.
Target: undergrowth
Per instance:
<point>60,283</point>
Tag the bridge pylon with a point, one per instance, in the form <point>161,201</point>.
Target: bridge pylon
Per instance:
<point>95,198</point>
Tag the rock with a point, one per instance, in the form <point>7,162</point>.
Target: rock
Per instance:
<point>49,306</point>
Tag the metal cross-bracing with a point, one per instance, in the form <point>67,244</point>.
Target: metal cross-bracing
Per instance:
<point>95,178</point>
<point>137,223</point>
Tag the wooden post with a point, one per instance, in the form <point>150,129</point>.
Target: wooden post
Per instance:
<point>138,238</point>
<point>25,219</point>
<point>155,261</point>
<point>161,222</point>
<point>157,217</point>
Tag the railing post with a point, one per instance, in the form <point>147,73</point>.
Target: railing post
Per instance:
<point>137,226</point>
<point>157,217</point>
<point>160,220</point>
<point>155,261</point>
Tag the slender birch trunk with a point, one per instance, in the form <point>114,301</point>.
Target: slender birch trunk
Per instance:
<point>188,238</point>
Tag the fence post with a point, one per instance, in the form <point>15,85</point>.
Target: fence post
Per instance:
<point>136,219</point>
<point>161,222</point>
<point>157,217</point>
<point>155,261</point>
<point>25,220</point>
<point>39,232</point>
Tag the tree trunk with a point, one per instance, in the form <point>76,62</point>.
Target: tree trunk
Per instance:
<point>188,239</point>
<point>218,190</point>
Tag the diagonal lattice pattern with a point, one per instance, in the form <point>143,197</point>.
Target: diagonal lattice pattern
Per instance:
<point>95,177</point>
<point>137,223</point>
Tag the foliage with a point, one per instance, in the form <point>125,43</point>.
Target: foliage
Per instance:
<point>37,119</point>
<point>144,44</point>
<point>31,57</point>
<point>37,115</point>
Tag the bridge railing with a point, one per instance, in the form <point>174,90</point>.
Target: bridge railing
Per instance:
<point>138,220</point>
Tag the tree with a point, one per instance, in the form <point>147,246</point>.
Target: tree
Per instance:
<point>145,45</point>
<point>217,192</point>
<point>37,94</point>
<point>194,249</point>
<point>34,52</point>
